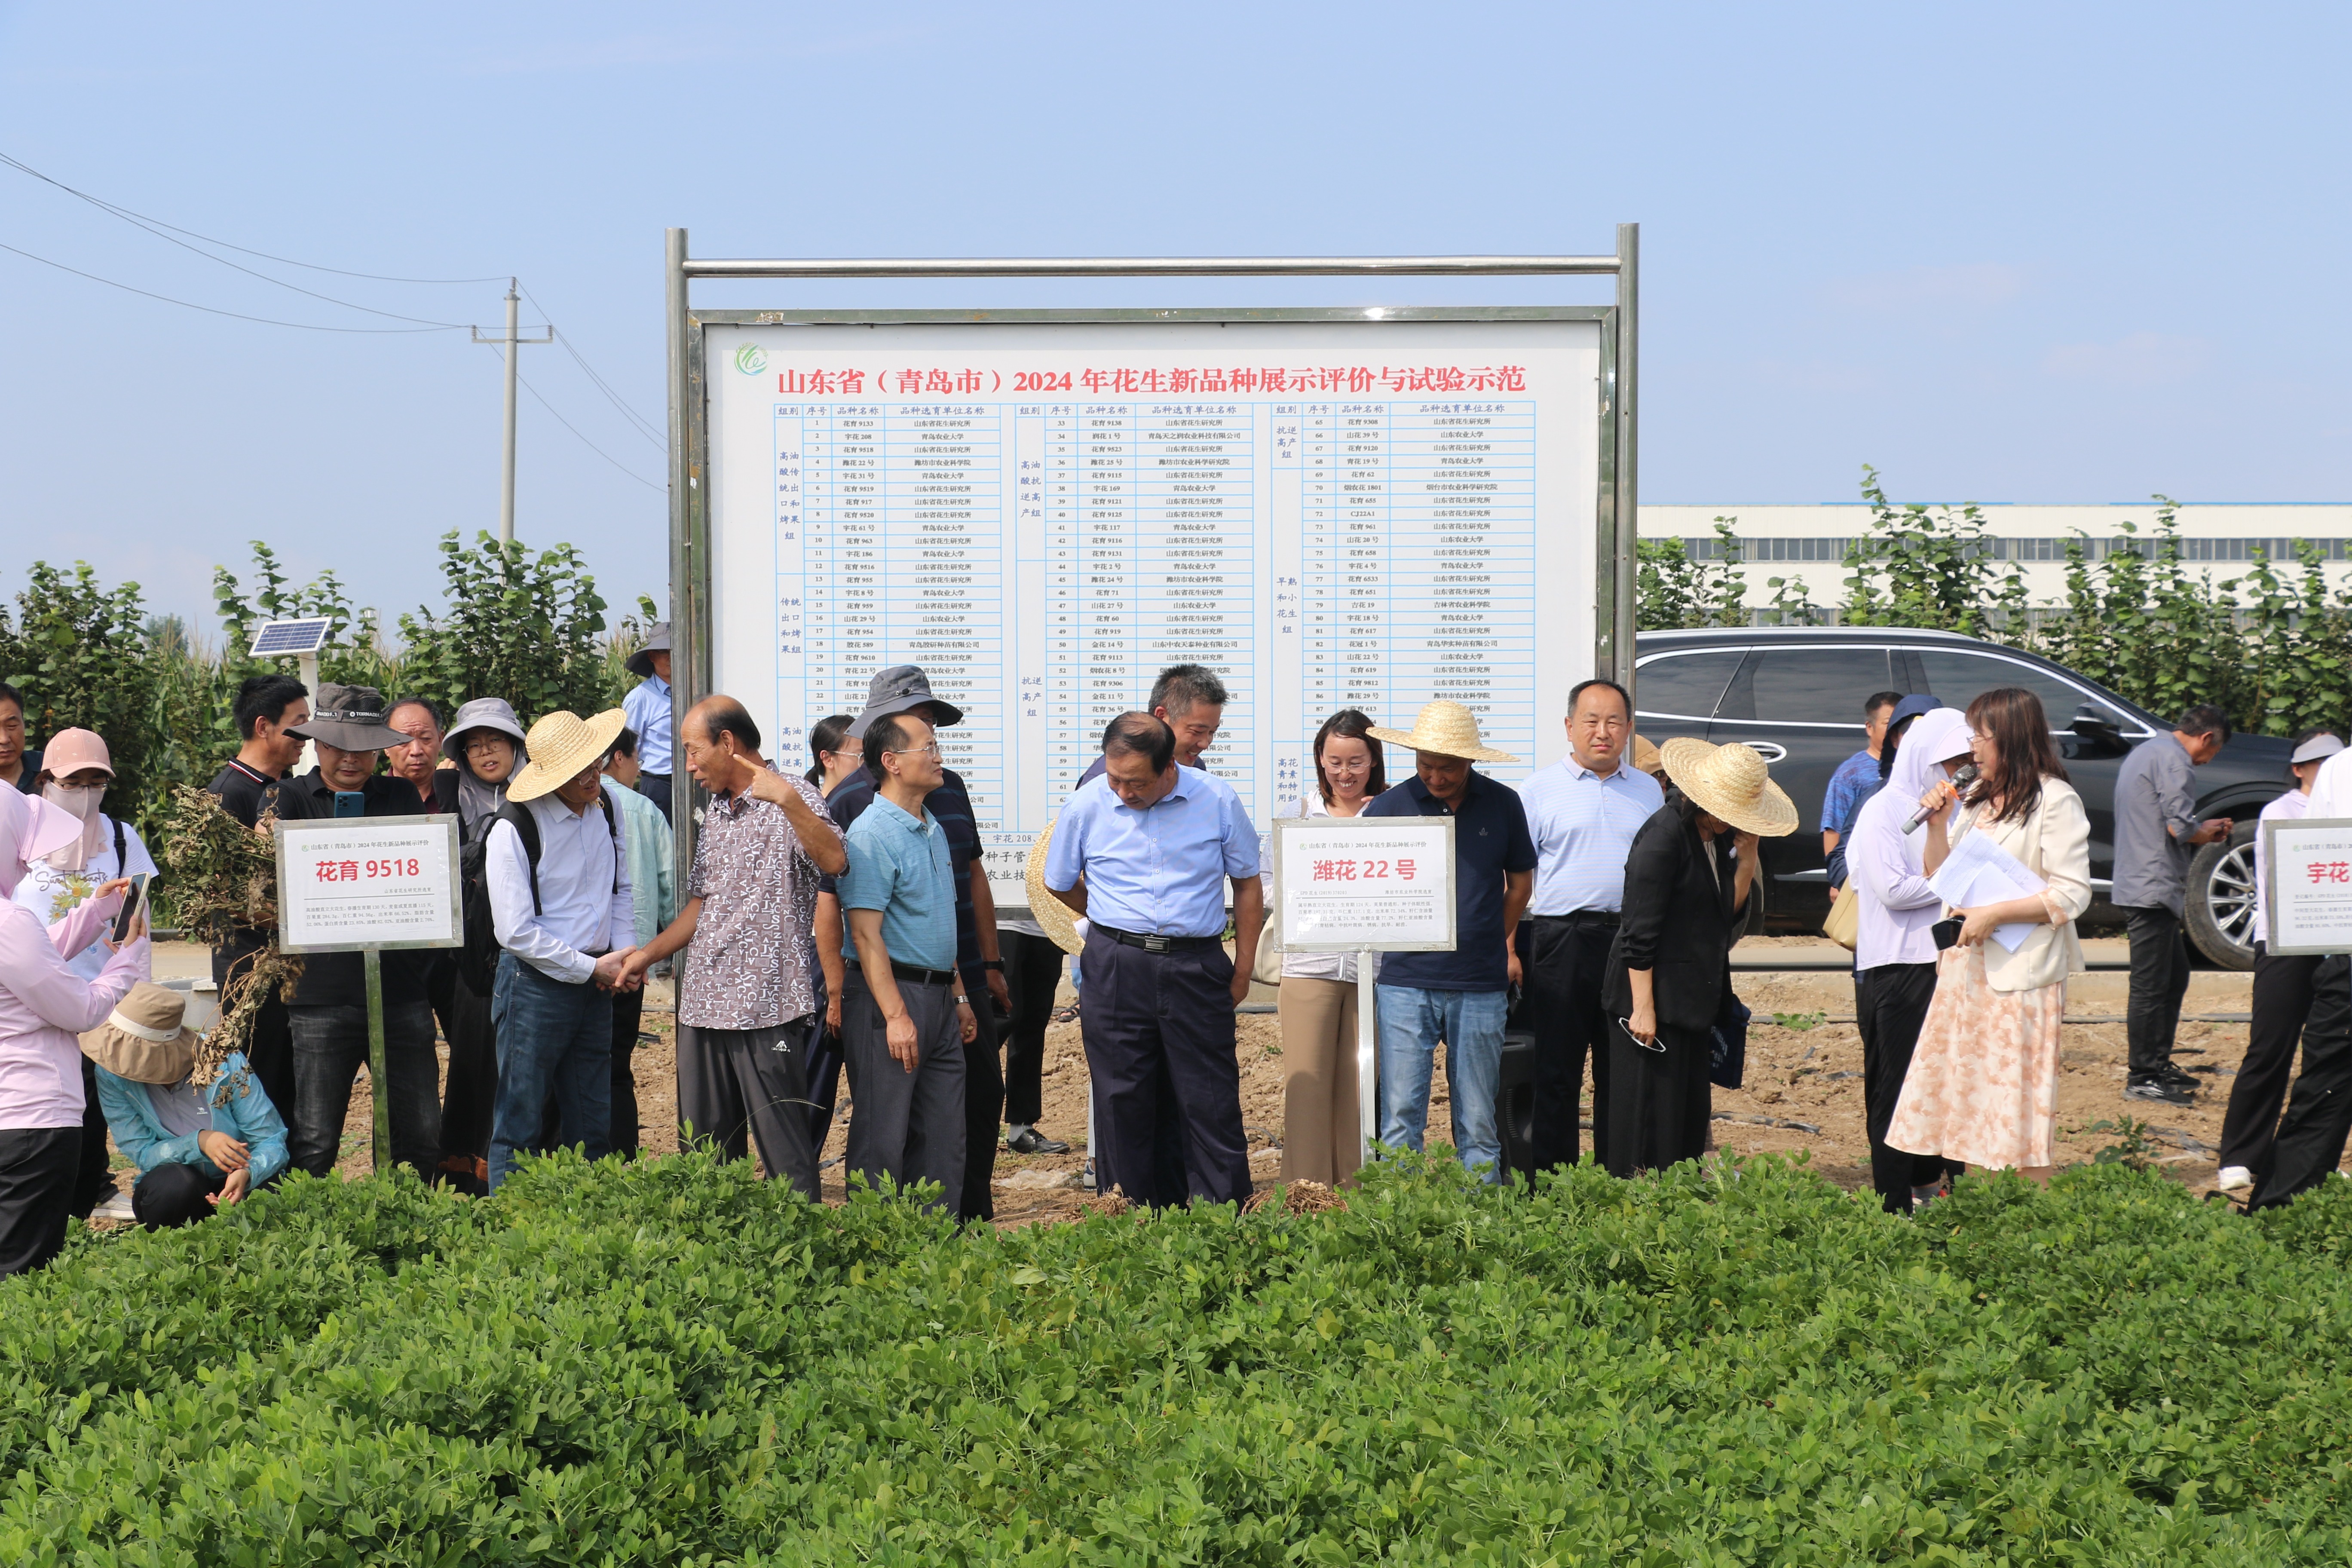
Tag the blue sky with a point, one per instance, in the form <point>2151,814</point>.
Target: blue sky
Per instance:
<point>2007,253</point>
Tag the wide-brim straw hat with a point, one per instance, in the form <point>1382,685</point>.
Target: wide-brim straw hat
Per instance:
<point>1044,907</point>
<point>642,661</point>
<point>1646,757</point>
<point>563,746</point>
<point>1448,728</point>
<point>146,1038</point>
<point>1730,782</point>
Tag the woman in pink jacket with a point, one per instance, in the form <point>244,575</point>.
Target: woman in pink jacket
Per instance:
<point>43,1008</point>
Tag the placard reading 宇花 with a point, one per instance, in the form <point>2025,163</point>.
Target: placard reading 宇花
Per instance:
<point>387,882</point>
<point>2309,868</point>
<point>1353,884</point>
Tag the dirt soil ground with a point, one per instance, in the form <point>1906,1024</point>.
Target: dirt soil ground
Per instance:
<point>1802,1094</point>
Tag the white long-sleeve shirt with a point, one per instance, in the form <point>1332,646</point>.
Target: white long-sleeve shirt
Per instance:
<point>2289,807</point>
<point>1886,866</point>
<point>585,906</point>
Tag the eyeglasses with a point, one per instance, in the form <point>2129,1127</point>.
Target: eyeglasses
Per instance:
<point>485,745</point>
<point>930,750</point>
<point>1346,764</point>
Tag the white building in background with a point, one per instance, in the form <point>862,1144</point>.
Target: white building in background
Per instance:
<point>1809,543</point>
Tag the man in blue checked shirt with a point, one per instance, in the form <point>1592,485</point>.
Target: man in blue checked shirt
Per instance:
<point>1583,813</point>
<point>1859,773</point>
<point>1143,852</point>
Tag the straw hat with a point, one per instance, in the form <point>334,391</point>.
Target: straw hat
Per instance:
<point>1730,782</point>
<point>145,1038</point>
<point>1646,757</point>
<point>1044,907</point>
<point>563,746</point>
<point>1447,729</point>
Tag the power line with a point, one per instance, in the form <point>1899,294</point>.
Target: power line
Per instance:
<point>567,424</point>
<point>215,309</point>
<point>644,427</point>
<point>156,228</point>
<point>125,212</point>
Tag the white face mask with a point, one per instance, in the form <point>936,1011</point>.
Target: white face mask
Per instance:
<point>82,800</point>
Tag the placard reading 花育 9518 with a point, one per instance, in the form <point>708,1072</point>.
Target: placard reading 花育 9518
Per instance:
<point>370,882</point>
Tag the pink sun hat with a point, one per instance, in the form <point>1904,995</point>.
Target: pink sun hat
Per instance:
<point>70,751</point>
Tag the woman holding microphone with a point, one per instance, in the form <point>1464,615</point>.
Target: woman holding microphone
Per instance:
<point>1983,1083</point>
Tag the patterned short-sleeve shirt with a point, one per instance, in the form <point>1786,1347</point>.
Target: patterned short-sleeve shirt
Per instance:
<point>752,963</point>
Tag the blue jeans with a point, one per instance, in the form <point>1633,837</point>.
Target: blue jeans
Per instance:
<point>1411,1022</point>
<point>550,1035</point>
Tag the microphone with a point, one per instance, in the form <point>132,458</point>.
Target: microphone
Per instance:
<point>1960,782</point>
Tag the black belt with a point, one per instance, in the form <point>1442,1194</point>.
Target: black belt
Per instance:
<point>1606,919</point>
<point>914,976</point>
<point>1158,944</point>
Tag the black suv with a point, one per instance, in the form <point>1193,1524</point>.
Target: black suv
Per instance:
<point>1795,694</point>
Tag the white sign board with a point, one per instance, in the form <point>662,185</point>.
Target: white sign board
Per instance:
<point>1364,884</point>
<point>1358,509</point>
<point>2308,892</point>
<point>386,881</point>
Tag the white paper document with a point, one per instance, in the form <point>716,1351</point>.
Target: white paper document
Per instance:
<point>1980,872</point>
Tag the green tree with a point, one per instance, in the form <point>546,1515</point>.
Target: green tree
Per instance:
<point>78,652</point>
<point>1932,567</point>
<point>517,625</point>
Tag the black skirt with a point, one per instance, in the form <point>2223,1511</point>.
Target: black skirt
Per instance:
<point>1659,1102</point>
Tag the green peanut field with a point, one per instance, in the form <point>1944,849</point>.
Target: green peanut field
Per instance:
<point>674,1363</point>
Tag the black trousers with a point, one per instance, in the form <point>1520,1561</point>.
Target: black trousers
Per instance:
<point>1564,960</point>
<point>628,1015</point>
<point>824,1059</point>
<point>2310,1140</point>
<point>1159,1046</point>
<point>1660,1102</point>
<point>36,1183</point>
<point>1890,1003</point>
<point>171,1195</point>
<point>656,788</point>
<point>271,1053</point>
<point>983,1098</point>
<point>1032,974</point>
<point>470,1094</point>
<point>92,1178</point>
<point>2160,979</point>
<point>2282,988</point>
<point>737,1087</point>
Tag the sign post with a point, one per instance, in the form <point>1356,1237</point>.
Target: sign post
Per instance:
<point>364,885</point>
<point>2308,870</point>
<point>1366,885</point>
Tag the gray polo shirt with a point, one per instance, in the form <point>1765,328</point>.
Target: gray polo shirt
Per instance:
<point>2155,814</point>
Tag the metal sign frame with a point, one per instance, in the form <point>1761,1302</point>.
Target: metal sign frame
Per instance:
<point>689,431</point>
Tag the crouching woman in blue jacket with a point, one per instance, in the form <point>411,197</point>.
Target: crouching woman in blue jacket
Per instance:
<point>196,1145</point>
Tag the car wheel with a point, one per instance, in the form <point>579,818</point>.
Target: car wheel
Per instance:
<point>2222,900</point>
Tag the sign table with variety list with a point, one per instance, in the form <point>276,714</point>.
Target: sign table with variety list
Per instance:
<point>1044,516</point>
<point>2308,867</point>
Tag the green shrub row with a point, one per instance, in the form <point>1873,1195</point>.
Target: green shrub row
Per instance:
<point>673,1364</point>
<point>2272,646</point>
<point>528,627</point>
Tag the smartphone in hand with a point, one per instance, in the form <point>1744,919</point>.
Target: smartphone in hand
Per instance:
<point>132,901</point>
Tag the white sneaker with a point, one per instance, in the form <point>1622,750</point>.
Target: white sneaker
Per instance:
<point>115,1207</point>
<point>2235,1179</point>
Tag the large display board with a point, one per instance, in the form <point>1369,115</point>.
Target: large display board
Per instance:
<point>1330,509</point>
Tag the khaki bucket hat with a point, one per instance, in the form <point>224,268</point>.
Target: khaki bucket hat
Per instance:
<point>1448,728</point>
<point>563,746</point>
<point>146,1038</point>
<point>1730,782</point>
<point>1044,907</point>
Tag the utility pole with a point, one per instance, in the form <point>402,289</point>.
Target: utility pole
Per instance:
<point>510,343</point>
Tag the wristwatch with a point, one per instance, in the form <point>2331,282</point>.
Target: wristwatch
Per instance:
<point>995,964</point>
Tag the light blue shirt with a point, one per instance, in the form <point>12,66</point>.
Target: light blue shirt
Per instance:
<point>899,866</point>
<point>137,1123</point>
<point>1584,825</point>
<point>1159,872</point>
<point>653,874</point>
<point>648,709</point>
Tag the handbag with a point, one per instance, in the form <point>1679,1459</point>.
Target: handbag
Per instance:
<point>1265,966</point>
<point>1845,925</point>
<point>1727,1042</point>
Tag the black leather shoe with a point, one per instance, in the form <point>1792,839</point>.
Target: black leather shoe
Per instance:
<point>1032,1142</point>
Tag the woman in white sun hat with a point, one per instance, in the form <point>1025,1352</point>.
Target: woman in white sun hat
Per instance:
<point>1688,877</point>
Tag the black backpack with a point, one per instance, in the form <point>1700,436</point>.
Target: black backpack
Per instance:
<point>478,961</point>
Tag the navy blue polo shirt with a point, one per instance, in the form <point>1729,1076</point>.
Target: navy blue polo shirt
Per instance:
<point>1490,838</point>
